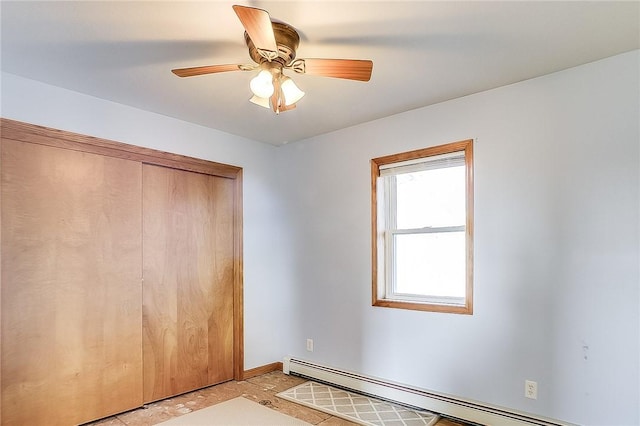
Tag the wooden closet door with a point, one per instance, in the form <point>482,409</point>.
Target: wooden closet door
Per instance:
<point>71,285</point>
<point>188,280</point>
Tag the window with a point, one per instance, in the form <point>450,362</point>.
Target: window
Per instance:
<point>422,220</point>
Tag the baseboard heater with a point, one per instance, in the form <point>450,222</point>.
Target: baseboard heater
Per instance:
<point>471,411</point>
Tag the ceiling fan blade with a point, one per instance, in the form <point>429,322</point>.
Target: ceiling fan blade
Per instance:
<point>209,69</point>
<point>351,69</point>
<point>257,23</point>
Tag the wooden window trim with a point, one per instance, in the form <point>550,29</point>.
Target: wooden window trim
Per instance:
<point>376,163</point>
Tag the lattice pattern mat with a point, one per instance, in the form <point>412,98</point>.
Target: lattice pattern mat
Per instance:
<point>356,408</point>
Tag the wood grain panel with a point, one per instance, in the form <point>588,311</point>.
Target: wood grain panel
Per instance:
<point>71,292</point>
<point>238,287</point>
<point>31,133</point>
<point>188,291</point>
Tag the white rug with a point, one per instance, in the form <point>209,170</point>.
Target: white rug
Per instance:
<point>355,407</point>
<point>235,412</point>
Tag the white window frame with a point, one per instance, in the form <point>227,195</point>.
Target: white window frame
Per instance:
<point>384,227</point>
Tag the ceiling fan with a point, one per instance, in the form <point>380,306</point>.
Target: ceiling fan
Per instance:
<point>272,46</point>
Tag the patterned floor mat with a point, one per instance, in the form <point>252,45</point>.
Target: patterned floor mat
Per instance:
<point>356,408</point>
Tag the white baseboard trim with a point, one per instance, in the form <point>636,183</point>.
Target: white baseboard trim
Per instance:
<point>471,411</point>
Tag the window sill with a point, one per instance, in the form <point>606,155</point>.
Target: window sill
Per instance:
<point>422,306</point>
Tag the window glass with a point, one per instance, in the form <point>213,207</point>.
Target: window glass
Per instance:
<point>431,198</point>
<point>430,264</point>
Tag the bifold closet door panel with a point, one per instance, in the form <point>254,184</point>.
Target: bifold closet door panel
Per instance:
<point>71,285</point>
<point>188,280</point>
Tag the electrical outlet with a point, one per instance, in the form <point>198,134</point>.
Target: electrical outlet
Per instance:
<point>310,345</point>
<point>531,389</point>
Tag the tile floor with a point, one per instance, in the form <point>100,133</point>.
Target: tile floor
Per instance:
<point>262,389</point>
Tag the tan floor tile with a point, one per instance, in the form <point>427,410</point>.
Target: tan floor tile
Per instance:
<point>300,412</point>
<point>337,421</point>
<point>276,381</point>
<point>151,414</point>
<point>261,389</point>
<point>212,395</point>
<point>161,411</point>
<point>268,399</point>
<point>109,421</point>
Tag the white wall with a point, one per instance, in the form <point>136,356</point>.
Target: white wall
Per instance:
<point>556,238</point>
<point>556,248</point>
<point>265,323</point>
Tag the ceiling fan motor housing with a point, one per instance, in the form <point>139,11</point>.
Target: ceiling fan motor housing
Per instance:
<point>287,39</point>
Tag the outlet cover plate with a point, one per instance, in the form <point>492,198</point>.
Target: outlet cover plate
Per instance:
<point>531,389</point>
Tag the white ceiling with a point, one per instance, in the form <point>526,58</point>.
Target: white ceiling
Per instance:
<point>424,52</point>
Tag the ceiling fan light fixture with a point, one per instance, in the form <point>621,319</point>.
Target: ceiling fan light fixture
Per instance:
<point>263,102</point>
<point>262,84</point>
<point>272,46</point>
<point>290,91</point>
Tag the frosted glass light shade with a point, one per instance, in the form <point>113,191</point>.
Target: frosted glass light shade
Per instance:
<point>263,102</point>
<point>291,92</point>
<point>262,84</point>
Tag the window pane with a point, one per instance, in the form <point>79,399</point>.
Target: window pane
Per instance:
<point>431,198</point>
<point>430,264</point>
